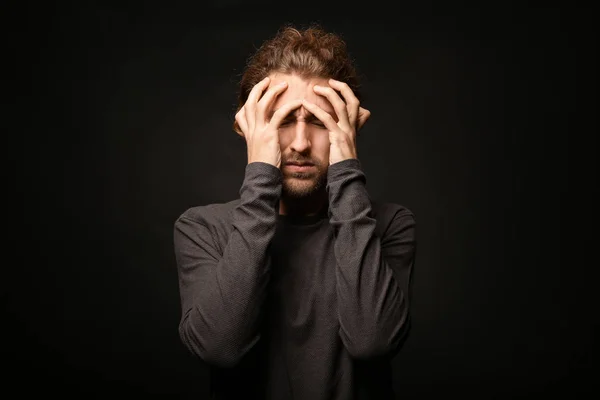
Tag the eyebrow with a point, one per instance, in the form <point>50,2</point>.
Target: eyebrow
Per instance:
<point>291,116</point>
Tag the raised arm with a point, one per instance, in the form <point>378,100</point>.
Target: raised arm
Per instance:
<point>223,285</point>
<point>373,272</point>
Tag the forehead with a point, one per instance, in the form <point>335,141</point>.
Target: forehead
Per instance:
<point>300,88</point>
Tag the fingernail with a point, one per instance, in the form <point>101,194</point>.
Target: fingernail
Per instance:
<point>283,83</point>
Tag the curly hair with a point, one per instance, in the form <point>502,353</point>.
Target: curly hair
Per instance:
<point>308,52</point>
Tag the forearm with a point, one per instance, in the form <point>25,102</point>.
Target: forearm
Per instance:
<point>221,306</point>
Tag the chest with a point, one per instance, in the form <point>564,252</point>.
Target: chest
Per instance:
<point>302,286</point>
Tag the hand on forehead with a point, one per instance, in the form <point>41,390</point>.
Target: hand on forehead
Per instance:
<point>300,88</point>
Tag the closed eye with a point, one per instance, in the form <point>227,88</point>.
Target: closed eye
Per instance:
<point>314,122</point>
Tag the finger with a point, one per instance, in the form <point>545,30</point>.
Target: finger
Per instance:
<point>322,115</point>
<point>350,98</point>
<point>363,116</point>
<point>250,105</point>
<point>240,118</point>
<point>265,104</point>
<point>337,103</point>
<point>283,111</point>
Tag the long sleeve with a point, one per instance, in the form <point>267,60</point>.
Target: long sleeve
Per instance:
<point>223,285</point>
<point>373,273</point>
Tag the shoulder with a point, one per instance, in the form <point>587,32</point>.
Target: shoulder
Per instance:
<point>386,211</point>
<point>392,216</point>
<point>209,215</point>
<point>209,224</point>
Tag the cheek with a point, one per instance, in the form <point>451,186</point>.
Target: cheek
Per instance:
<point>286,135</point>
<point>320,147</point>
<point>321,141</point>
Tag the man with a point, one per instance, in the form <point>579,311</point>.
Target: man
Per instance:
<point>300,288</point>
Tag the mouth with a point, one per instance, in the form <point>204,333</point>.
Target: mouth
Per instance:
<point>299,166</point>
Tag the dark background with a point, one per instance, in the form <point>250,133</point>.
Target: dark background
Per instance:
<point>483,123</point>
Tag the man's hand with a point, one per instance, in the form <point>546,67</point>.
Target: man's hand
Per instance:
<point>351,117</point>
<point>261,135</point>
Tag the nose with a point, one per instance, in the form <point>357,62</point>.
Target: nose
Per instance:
<point>301,140</point>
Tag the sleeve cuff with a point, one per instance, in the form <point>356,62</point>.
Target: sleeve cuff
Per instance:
<point>267,170</point>
<point>340,168</point>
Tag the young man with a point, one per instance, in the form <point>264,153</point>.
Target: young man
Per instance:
<point>298,289</point>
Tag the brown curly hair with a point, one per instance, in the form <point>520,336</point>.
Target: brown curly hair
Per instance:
<point>308,52</point>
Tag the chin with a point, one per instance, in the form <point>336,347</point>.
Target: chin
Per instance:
<point>295,190</point>
<point>299,187</point>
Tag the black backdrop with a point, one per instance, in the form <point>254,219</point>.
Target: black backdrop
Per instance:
<point>478,125</point>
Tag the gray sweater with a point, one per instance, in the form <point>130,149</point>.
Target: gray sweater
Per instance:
<point>283,307</point>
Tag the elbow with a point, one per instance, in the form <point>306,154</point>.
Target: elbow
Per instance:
<point>216,350</point>
<point>364,347</point>
<point>376,342</point>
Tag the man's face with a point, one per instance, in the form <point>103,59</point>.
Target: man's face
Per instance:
<point>302,137</point>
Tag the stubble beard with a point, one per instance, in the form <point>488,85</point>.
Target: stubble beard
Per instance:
<point>300,185</point>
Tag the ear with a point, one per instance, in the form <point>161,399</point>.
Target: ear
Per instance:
<point>363,116</point>
<point>236,128</point>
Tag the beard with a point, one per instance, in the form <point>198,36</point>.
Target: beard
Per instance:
<point>299,185</point>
